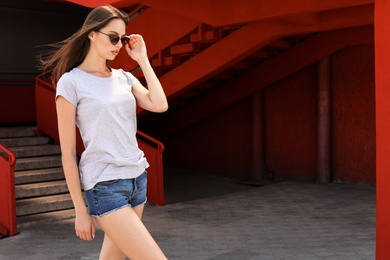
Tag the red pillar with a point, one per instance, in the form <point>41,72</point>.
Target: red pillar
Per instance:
<point>382,97</point>
<point>323,124</point>
<point>258,164</point>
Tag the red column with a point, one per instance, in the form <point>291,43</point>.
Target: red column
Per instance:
<point>323,124</point>
<point>382,96</point>
<point>258,164</point>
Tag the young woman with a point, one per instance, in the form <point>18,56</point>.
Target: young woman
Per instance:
<point>102,101</point>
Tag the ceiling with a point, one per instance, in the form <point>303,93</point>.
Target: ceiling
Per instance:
<point>46,5</point>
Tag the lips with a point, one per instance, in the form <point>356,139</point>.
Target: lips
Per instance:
<point>115,52</point>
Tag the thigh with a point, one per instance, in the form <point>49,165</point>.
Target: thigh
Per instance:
<point>110,251</point>
<point>126,230</point>
<point>139,210</point>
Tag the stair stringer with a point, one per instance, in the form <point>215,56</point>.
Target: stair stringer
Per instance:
<point>250,38</point>
<point>272,70</point>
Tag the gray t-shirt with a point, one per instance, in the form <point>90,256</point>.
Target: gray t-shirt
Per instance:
<point>106,118</point>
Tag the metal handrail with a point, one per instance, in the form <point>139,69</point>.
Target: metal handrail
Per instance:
<point>11,155</point>
<point>159,145</point>
<point>45,83</point>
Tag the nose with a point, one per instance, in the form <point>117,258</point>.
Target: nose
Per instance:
<point>120,43</point>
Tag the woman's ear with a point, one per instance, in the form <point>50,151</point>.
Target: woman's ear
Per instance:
<point>91,35</point>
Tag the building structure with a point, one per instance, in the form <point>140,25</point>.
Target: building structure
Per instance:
<point>258,89</point>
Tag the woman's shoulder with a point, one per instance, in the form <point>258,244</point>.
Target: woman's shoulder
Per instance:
<point>66,78</point>
<point>120,73</point>
<point>73,73</point>
<point>72,76</point>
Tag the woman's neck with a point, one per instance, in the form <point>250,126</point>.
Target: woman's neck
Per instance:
<point>94,66</point>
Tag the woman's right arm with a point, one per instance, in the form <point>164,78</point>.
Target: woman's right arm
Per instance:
<point>66,114</point>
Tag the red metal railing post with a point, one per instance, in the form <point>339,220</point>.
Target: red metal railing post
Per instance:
<point>8,225</point>
<point>153,150</point>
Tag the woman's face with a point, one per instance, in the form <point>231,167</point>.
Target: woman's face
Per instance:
<point>102,41</point>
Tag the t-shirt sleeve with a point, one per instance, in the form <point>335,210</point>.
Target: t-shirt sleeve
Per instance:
<point>130,78</point>
<point>66,89</point>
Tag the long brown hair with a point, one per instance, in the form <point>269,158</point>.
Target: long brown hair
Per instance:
<point>71,52</point>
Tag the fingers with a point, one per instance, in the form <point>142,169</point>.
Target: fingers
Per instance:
<point>135,37</point>
<point>136,40</point>
<point>84,226</point>
<point>127,47</point>
<point>136,47</point>
<point>93,231</point>
<point>88,235</point>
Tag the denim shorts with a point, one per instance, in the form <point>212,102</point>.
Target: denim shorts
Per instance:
<point>108,196</point>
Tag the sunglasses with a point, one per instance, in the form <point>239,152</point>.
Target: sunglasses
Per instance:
<point>114,39</point>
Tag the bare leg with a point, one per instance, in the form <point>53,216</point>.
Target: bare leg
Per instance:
<point>139,210</point>
<point>125,230</point>
<point>109,250</point>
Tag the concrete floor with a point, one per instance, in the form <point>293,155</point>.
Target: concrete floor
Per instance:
<point>215,218</point>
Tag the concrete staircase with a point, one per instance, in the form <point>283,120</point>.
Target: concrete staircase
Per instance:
<point>41,191</point>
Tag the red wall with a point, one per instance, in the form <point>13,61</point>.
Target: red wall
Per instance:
<point>353,115</point>
<point>222,142</point>
<point>291,126</point>
<point>17,104</point>
<point>218,144</point>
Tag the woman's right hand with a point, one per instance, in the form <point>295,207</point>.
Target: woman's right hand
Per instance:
<point>84,226</point>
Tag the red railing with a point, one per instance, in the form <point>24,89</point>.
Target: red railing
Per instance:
<point>47,125</point>
<point>7,193</point>
<point>153,150</point>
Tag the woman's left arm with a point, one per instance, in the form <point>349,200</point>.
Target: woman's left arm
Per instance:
<point>152,98</point>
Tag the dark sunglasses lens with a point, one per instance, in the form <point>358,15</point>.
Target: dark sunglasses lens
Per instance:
<point>114,39</point>
<point>125,40</point>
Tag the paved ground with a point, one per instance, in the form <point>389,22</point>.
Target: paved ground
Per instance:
<point>288,220</point>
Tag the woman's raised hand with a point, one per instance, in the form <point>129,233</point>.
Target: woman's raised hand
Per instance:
<point>136,47</point>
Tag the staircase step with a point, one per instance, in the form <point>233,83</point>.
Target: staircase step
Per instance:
<point>24,141</point>
<point>40,189</point>
<point>44,217</point>
<point>225,75</point>
<point>36,150</point>
<point>184,48</point>
<point>242,66</point>
<point>43,204</point>
<point>168,61</point>
<point>38,163</point>
<point>259,56</point>
<point>278,45</point>
<point>9,132</point>
<point>207,36</point>
<point>40,175</point>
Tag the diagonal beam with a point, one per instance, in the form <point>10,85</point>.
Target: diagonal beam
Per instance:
<point>267,73</point>
<point>250,38</point>
<point>92,3</point>
<point>228,12</point>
